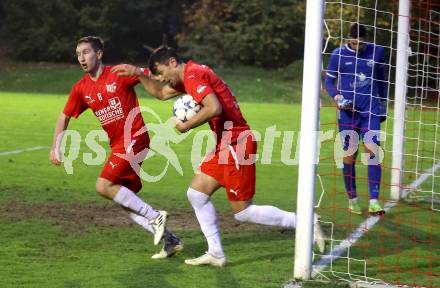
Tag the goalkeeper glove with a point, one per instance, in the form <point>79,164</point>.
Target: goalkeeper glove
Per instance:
<point>342,103</point>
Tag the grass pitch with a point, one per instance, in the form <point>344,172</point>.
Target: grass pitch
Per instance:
<point>57,232</point>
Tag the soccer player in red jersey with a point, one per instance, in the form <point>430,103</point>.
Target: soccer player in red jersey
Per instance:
<point>112,99</point>
<point>231,164</point>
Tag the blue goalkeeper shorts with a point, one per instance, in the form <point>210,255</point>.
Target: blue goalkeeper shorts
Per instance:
<point>361,123</point>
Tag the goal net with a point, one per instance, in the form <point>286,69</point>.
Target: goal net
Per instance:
<point>401,247</point>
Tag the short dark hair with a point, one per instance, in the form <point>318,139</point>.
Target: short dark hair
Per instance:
<point>161,56</point>
<point>96,42</point>
<point>358,31</point>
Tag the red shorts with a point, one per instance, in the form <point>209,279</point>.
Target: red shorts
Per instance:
<point>234,168</point>
<point>119,170</point>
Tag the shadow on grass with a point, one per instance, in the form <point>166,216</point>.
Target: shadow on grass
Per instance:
<point>168,273</point>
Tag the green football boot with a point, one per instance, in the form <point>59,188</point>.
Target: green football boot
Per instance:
<point>375,209</point>
<point>354,207</point>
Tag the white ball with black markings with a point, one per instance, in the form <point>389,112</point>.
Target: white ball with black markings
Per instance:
<point>185,107</point>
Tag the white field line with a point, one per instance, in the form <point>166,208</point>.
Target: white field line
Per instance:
<point>420,180</point>
<point>365,226</point>
<point>23,150</point>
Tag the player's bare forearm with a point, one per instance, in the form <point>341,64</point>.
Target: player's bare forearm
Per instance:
<point>169,92</point>
<point>203,116</point>
<point>60,126</point>
<point>210,108</point>
<point>152,86</point>
<point>156,89</point>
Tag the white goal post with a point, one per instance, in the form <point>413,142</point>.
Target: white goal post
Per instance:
<point>308,150</point>
<point>400,99</point>
<point>308,153</point>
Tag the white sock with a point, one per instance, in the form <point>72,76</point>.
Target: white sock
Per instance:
<point>267,215</point>
<point>353,200</point>
<point>128,199</point>
<point>207,217</point>
<point>144,222</point>
<point>374,201</point>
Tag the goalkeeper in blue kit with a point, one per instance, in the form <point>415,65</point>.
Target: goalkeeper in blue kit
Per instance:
<point>356,80</point>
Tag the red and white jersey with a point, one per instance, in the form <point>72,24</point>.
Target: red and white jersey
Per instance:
<point>199,81</point>
<point>111,98</point>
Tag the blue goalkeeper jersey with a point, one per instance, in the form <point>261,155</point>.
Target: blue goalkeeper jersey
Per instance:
<point>359,77</point>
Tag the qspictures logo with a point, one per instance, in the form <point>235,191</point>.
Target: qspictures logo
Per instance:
<point>164,137</point>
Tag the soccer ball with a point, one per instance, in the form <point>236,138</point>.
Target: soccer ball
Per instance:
<point>185,108</point>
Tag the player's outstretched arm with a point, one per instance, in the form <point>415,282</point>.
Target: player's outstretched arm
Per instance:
<point>61,125</point>
<point>210,107</point>
<point>152,86</point>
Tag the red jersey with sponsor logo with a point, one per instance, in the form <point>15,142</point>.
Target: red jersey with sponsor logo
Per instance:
<point>111,98</point>
<point>199,81</point>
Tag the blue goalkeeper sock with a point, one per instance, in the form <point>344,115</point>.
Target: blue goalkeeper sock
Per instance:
<point>350,180</point>
<point>374,174</point>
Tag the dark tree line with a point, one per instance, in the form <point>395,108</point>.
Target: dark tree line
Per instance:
<point>255,32</point>
<point>267,33</point>
<point>34,30</point>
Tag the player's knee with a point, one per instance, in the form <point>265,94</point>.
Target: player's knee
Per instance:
<point>196,198</point>
<point>244,215</point>
<point>101,188</point>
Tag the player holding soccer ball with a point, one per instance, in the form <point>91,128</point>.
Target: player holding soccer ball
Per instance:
<point>230,165</point>
<point>111,98</point>
<point>361,94</point>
